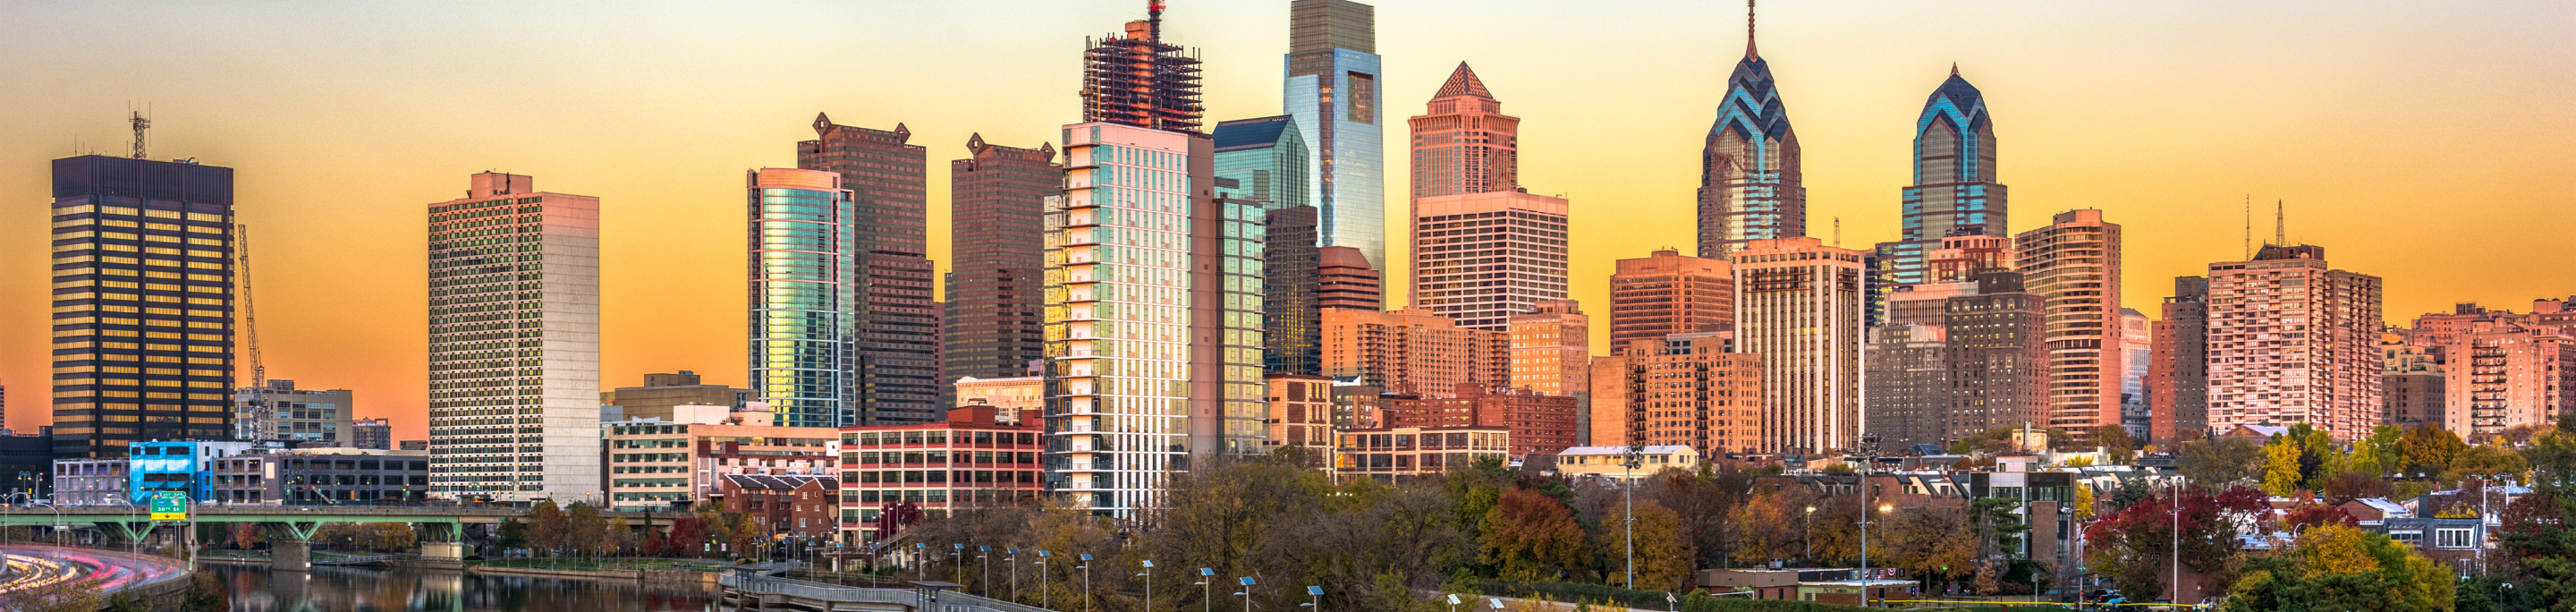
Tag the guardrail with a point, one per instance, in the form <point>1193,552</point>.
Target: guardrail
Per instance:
<point>947,600</point>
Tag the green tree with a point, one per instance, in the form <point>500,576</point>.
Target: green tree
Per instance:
<point>2221,462</point>
<point>2116,443</point>
<point>2492,460</point>
<point>1530,536</point>
<point>584,529</point>
<point>2538,547</point>
<point>2338,567</point>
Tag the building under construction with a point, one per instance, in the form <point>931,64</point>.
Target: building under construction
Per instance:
<point>1138,80</point>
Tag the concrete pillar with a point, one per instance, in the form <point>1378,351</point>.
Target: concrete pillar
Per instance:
<point>290,556</point>
<point>442,551</point>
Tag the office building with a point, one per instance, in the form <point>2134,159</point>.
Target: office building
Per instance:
<point>804,292</point>
<point>662,393</point>
<point>1479,258</point>
<point>2074,264</point>
<point>1301,411</point>
<point>1464,143</point>
<point>2503,374</point>
<point>2178,381</point>
<point>1346,280</point>
<point>1264,160</point>
<point>1291,292</point>
<point>323,476</point>
<point>375,434</point>
<point>891,372</point>
<point>27,463</point>
<point>514,343</point>
<point>2293,341</point>
<point>996,252</point>
<point>282,413</point>
<point>1954,192</point>
<point>1540,424</point>
<point>1358,406</point>
<point>1751,185</point>
<point>1906,380</point>
<point>418,445</point>
<point>1998,357</point>
<point>1011,395</point>
<point>1669,293</point>
<point>1392,454</point>
<point>1154,316</point>
<point>656,464</point>
<point>1960,258</point>
<point>2137,352</point>
<point>1133,78</point>
<point>1798,305</point>
<point>1683,390</point>
<point>1411,351</point>
<point>142,303</point>
<point>2412,384</point>
<point>182,466</point>
<point>91,482</point>
<point>1333,90</point>
<point>1552,355</point>
<point>970,460</point>
<point>1607,420</point>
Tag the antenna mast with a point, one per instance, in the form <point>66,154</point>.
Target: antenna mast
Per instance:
<point>2280,224</point>
<point>1154,19</point>
<point>250,313</point>
<point>2249,227</point>
<point>141,124</point>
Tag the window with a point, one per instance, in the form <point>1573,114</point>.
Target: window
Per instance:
<point>2451,538</point>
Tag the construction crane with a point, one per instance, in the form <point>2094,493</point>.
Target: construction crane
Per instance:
<point>250,313</point>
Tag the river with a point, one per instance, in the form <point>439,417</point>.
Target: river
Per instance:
<point>340,589</point>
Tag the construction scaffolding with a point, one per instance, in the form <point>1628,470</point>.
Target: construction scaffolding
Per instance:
<point>1138,80</point>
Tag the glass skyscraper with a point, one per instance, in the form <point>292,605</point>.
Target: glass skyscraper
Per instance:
<point>143,303</point>
<point>803,281</point>
<point>1265,161</point>
<point>1333,90</point>
<point>1751,186</point>
<point>1954,191</point>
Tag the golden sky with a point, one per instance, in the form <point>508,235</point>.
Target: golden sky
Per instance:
<point>2427,143</point>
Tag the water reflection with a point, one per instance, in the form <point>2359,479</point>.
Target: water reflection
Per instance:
<point>340,589</point>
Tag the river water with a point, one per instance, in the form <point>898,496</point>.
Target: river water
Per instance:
<point>339,589</point>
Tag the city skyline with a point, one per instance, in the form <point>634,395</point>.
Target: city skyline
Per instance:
<point>339,175</point>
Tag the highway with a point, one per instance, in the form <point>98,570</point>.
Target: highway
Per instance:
<point>32,566</point>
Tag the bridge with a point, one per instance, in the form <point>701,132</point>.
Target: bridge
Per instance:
<point>749,591</point>
<point>291,528</point>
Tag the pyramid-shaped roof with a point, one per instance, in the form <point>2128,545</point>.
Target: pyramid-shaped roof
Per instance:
<point>1462,82</point>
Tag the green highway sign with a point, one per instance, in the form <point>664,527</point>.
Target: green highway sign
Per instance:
<point>170,506</point>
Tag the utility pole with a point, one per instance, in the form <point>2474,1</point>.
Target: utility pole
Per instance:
<point>1636,458</point>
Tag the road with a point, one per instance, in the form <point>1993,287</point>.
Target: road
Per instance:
<point>42,565</point>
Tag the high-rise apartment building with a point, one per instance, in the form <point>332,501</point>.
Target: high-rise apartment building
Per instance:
<point>804,291</point>
<point>2137,356</point>
<point>996,251</point>
<point>1292,315</point>
<point>2178,380</point>
<point>1669,293</point>
<point>1465,144</point>
<point>1552,355</point>
<point>2293,341</point>
<point>2074,263</point>
<point>1681,390</point>
<point>377,434</point>
<point>282,413</point>
<point>1346,280</point>
<point>1954,191</point>
<point>892,370</point>
<point>1906,375</point>
<point>142,303</point>
<point>1333,90</point>
<point>1264,160</point>
<point>2503,374</point>
<point>1751,185</point>
<point>1153,315</point>
<point>2412,384</point>
<point>1481,257</point>
<point>1998,356</point>
<point>1798,305</point>
<point>514,343</point>
<point>1412,351</point>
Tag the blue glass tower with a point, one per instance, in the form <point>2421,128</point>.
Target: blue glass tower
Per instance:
<point>1954,191</point>
<point>1751,186</point>
<point>1332,90</point>
<point>1266,160</point>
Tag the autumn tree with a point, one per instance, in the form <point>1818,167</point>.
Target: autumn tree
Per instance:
<point>1778,510</point>
<point>1927,540</point>
<point>2493,460</point>
<point>547,527</point>
<point>1530,536</point>
<point>2116,443</point>
<point>83,595</point>
<point>584,529</point>
<point>620,539</point>
<point>2539,548</point>
<point>2136,544</point>
<point>2280,467</point>
<point>2339,567</point>
<point>2218,463</point>
<point>2428,449</point>
<point>1663,555</point>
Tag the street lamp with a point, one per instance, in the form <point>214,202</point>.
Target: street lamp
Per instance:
<point>1086,581</point>
<point>1807,527</point>
<point>1042,583</point>
<point>1314,598</point>
<point>2176,595</point>
<point>1869,460</point>
<point>1246,593</point>
<point>980,553</point>
<point>1453,602</point>
<point>1636,458</point>
<point>921,560</point>
<point>1207,592</point>
<point>960,554</point>
<point>1149,584</point>
<point>1014,560</point>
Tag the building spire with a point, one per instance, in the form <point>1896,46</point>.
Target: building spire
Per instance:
<point>1954,69</point>
<point>1749,52</point>
<point>2280,223</point>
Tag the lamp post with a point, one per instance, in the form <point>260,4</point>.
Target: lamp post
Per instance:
<point>1149,584</point>
<point>1086,581</point>
<point>981,552</point>
<point>1014,560</point>
<point>1246,593</point>
<point>1314,598</point>
<point>1042,588</point>
<point>2176,596</point>
<point>921,561</point>
<point>1453,602</point>
<point>1207,591</point>
<point>1636,458</point>
<point>1868,461</point>
<point>960,554</point>
<point>1807,529</point>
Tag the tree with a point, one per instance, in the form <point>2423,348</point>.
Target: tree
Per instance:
<point>2116,443</point>
<point>513,534</point>
<point>1663,555</point>
<point>1925,540</point>
<point>2538,546</point>
<point>2486,461</point>
<point>2339,567</point>
<point>547,527</point>
<point>2084,502</point>
<point>2130,492</point>
<point>2281,467</point>
<point>2428,449</point>
<point>1778,510</point>
<point>2221,462</point>
<point>64,596</point>
<point>1530,536</point>
<point>620,539</point>
<point>2136,544</point>
<point>584,529</point>
<point>244,535</point>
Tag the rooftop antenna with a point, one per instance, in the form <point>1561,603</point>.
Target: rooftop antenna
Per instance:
<point>142,121</point>
<point>1838,231</point>
<point>2249,227</point>
<point>2280,223</point>
<point>1154,19</point>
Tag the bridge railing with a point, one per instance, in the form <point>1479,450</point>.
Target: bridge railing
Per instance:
<point>948,600</point>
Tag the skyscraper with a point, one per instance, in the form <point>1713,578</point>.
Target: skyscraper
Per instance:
<point>1669,293</point>
<point>804,285</point>
<point>1481,257</point>
<point>1465,144</point>
<point>1414,352</point>
<point>1153,316</point>
<point>2137,355</point>
<point>996,251</point>
<point>1292,316</point>
<point>1552,355</point>
<point>2293,341</point>
<point>1798,305</point>
<point>143,303</point>
<point>1134,78</point>
<point>1346,280</point>
<point>894,364</point>
<point>2411,385</point>
<point>1332,89</point>
<point>1954,191</point>
<point>2178,381</point>
<point>514,343</point>
<point>1264,160</point>
<point>1750,183</point>
<point>2506,374</point>
<point>2074,264</point>
<point>1998,357</point>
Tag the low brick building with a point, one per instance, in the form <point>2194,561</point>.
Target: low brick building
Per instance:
<point>796,505</point>
<point>1540,424</point>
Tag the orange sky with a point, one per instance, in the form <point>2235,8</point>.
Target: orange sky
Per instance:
<point>2426,143</point>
